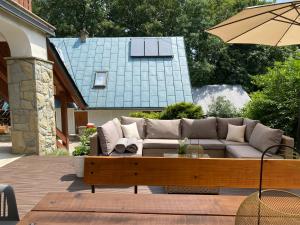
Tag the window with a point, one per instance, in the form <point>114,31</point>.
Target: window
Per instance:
<point>100,79</point>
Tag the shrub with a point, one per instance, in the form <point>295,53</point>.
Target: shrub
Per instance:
<point>222,107</point>
<point>146,115</point>
<point>84,147</point>
<point>182,110</point>
<point>58,152</point>
<point>276,104</point>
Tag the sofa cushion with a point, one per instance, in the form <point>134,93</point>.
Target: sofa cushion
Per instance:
<point>250,125</point>
<point>225,142</point>
<point>264,137</point>
<point>108,136</point>
<point>163,129</point>
<point>242,151</point>
<point>222,125</point>
<point>199,128</point>
<point>140,122</point>
<point>131,131</point>
<point>211,144</point>
<point>236,133</point>
<point>118,125</point>
<point>160,144</point>
<point>246,151</point>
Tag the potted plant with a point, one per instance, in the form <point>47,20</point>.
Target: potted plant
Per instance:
<point>82,150</point>
<point>183,146</point>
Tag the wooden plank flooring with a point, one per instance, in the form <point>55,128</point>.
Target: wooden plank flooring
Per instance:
<point>34,176</point>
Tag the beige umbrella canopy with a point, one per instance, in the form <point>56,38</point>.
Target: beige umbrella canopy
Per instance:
<point>272,24</point>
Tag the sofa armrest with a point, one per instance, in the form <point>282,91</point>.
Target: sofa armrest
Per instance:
<point>94,144</point>
<point>284,151</point>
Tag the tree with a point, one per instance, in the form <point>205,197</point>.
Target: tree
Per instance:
<point>222,107</point>
<point>277,102</point>
<point>210,60</point>
<point>70,17</point>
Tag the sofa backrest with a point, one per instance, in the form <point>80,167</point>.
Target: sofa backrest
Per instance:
<point>199,128</point>
<point>163,129</point>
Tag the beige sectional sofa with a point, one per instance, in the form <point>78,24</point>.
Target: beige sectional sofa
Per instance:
<point>161,136</point>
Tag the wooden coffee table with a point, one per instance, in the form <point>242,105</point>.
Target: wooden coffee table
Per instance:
<point>130,209</point>
<point>189,190</point>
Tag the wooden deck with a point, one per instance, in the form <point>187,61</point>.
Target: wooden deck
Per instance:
<point>34,176</point>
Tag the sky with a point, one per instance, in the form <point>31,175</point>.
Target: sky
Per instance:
<point>283,1</point>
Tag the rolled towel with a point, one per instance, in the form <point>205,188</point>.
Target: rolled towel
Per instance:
<point>121,145</point>
<point>132,145</point>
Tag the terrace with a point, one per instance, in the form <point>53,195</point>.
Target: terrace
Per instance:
<point>150,74</point>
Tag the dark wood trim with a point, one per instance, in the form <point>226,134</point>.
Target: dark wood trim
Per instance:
<point>63,77</point>
<point>64,119</point>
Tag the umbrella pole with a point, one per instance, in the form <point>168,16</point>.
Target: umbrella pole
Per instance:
<point>298,133</point>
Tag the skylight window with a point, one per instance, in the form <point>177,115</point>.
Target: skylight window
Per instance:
<point>100,79</point>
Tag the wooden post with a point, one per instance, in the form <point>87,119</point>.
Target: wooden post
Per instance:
<point>64,118</point>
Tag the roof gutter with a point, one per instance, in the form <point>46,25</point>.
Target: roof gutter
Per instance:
<point>27,16</point>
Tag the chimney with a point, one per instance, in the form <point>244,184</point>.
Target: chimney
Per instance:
<point>83,35</point>
<point>25,4</point>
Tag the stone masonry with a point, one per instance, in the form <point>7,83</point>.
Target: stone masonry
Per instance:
<point>31,99</point>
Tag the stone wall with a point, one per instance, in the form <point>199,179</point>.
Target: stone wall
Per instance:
<point>31,98</point>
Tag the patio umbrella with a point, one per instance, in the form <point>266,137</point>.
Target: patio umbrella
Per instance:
<point>271,24</point>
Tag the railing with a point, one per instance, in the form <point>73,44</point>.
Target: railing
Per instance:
<point>61,140</point>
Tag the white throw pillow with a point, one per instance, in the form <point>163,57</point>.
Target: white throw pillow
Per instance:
<point>236,133</point>
<point>130,131</point>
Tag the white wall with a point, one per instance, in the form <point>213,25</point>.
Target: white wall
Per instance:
<point>99,117</point>
<point>71,120</point>
<point>23,40</point>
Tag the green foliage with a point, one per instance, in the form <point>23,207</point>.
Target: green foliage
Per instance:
<point>175,111</point>
<point>58,152</point>
<point>182,110</point>
<point>146,115</point>
<point>210,60</point>
<point>277,104</point>
<point>84,147</point>
<point>222,107</point>
<point>81,150</point>
<point>183,146</point>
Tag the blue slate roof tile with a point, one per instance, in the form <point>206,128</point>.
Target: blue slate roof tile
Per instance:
<point>144,82</point>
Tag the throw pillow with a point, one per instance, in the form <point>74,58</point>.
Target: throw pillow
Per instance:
<point>131,131</point>
<point>250,125</point>
<point>108,136</point>
<point>236,133</point>
<point>264,137</point>
<point>118,126</point>
<point>140,122</point>
<point>222,125</point>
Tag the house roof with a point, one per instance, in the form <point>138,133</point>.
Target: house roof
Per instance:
<point>25,15</point>
<point>205,95</point>
<point>133,82</point>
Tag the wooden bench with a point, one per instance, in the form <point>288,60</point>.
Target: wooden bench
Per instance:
<point>155,171</point>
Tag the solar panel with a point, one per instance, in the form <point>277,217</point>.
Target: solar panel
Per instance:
<point>165,47</point>
<point>137,47</point>
<point>151,47</point>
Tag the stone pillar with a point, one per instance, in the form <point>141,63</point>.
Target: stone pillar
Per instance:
<point>31,99</point>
